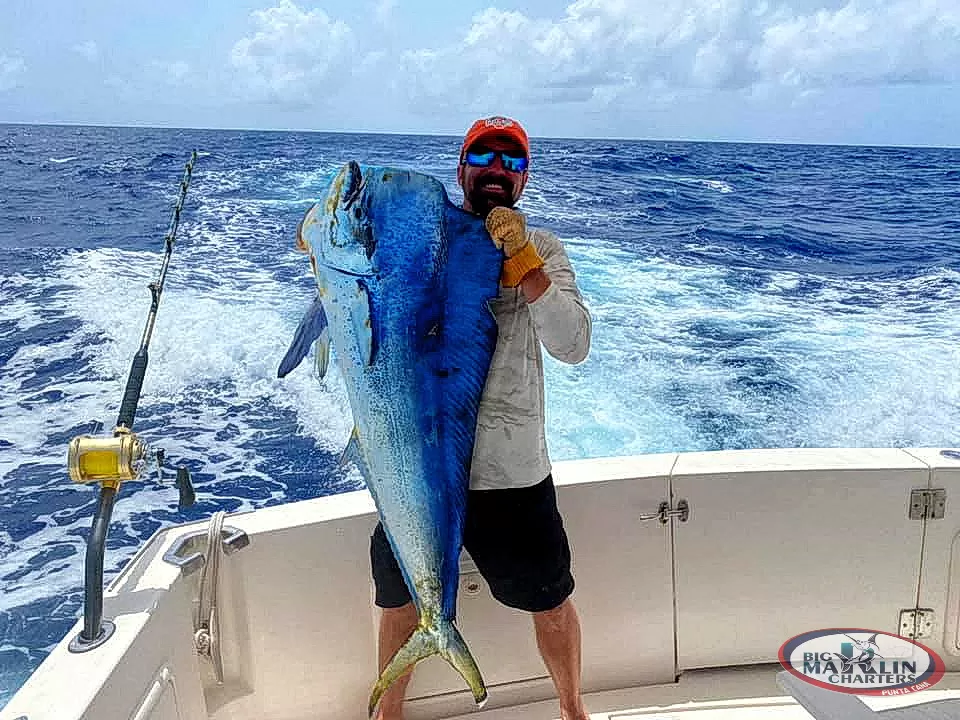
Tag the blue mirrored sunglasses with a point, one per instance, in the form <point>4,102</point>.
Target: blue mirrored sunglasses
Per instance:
<point>509,162</point>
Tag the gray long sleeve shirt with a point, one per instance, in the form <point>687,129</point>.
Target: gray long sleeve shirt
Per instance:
<point>511,446</point>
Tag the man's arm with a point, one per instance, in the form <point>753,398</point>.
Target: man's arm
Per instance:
<point>561,319</point>
<point>534,284</point>
<point>537,263</point>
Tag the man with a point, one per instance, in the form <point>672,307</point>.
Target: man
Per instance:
<point>513,531</point>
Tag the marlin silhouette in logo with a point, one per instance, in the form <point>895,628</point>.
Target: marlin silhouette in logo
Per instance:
<point>863,654</point>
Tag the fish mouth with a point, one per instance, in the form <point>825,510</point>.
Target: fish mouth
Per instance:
<point>339,230</point>
<point>346,188</point>
<point>353,186</point>
<point>300,243</point>
<point>352,204</point>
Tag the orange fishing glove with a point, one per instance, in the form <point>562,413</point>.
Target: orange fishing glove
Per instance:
<point>508,230</point>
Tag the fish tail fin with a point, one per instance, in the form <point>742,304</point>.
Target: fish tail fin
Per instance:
<point>444,640</point>
<point>455,651</point>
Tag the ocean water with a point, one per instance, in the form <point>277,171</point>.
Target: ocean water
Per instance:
<point>743,296</point>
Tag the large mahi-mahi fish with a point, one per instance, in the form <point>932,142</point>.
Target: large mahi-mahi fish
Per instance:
<point>403,280</point>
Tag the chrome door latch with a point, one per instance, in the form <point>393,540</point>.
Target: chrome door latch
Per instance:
<point>665,512</point>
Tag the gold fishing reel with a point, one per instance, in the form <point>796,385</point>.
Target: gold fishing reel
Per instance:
<point>107,460</point>
<point>113,460</point>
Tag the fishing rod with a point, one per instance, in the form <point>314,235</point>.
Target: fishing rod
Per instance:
<point>112,460</point>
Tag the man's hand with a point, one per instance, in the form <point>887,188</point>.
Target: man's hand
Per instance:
<point>508,230</point>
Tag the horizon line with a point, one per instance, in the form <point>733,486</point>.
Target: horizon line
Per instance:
<point>459,135</point>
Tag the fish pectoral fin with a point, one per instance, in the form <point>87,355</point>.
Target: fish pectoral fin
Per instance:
<point>352,454</point>
<point>444,640</point>
<point>362,314</point>
<point>311,327</point>
<point>322,362</point>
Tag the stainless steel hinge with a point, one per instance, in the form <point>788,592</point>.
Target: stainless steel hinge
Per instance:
<point>916,623</point>
<point>927,504</point>
<point>665,512</point>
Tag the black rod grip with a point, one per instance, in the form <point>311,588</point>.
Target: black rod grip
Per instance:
<point>131,394</point>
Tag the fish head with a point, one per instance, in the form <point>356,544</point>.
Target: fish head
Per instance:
<point>337,232</point>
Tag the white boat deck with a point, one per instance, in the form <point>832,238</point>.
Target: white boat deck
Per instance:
<point>774,546</point>
<point>738,694</point>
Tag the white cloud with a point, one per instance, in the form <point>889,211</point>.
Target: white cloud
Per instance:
<point>178,70</point>
<point>605,50</point>
<point>383,10</point>
<point>88,49</point>
<point>865,43</point>
<point>11,68</point>
<point>606,54</point>
<point>598,50</point>
<point>173,73</point>
<point>294,57</point>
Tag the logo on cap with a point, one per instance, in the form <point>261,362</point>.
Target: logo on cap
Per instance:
<point>498,122</point>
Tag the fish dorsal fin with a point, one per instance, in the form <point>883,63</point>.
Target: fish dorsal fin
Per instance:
<point>469,337</point>
<point>364,322</point>
<point>312,326</point>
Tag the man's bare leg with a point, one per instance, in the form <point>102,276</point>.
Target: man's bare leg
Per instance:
<point>558,637</point>
<point>396,625</point>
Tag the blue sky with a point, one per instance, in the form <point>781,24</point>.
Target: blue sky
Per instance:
<point>821,71</point>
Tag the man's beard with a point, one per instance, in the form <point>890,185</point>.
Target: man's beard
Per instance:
<point>482,201</point>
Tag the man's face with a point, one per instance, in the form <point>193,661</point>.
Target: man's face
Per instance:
<point>485,188</point>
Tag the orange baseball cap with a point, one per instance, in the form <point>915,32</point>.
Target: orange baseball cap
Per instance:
<point>496,126</point>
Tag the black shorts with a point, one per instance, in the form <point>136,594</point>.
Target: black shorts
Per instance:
<point>516,538</point>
